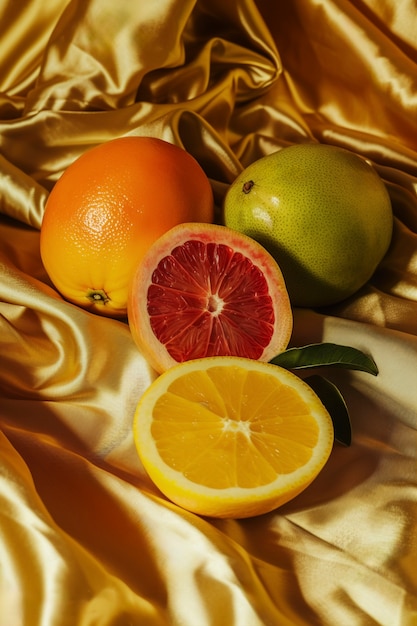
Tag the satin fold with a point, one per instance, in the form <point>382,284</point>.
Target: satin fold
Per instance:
<point>86,539</point>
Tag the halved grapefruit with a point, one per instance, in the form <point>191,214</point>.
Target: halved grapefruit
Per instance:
<point>205,290</point>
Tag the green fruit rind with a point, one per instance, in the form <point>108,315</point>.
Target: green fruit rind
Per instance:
<point>323,213</point>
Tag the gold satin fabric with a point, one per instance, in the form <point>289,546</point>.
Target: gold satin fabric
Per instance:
<point>85,538</point>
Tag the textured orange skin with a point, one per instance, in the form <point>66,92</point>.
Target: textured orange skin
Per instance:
<point>107,209</point>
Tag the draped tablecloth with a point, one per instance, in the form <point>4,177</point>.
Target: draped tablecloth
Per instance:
<point>85,537</point>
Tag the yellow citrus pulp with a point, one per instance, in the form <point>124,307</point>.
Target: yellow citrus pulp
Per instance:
<point>231,437</point>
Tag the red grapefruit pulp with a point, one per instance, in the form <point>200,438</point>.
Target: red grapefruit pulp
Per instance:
<point>206,290</point>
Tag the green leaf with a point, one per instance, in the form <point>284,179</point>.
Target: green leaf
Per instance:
<point>335,405</point>
<point>320,354</point>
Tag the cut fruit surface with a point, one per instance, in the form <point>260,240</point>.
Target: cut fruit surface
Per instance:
<point>230,436</point>
<point>204,290</point>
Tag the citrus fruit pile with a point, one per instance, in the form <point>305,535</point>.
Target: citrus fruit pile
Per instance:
<point>321,211</point>
<point>231,437</point>
<point>204,290</point>
<point>128,230</point>
<point>107,208</point>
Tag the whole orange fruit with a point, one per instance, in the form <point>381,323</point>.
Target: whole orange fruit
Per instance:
<point>108,207</point>
<point>206,290</point>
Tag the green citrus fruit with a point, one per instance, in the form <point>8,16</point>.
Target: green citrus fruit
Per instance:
<point>322,212</point>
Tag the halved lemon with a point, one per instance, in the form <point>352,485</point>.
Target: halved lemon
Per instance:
<point>231,437</point>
